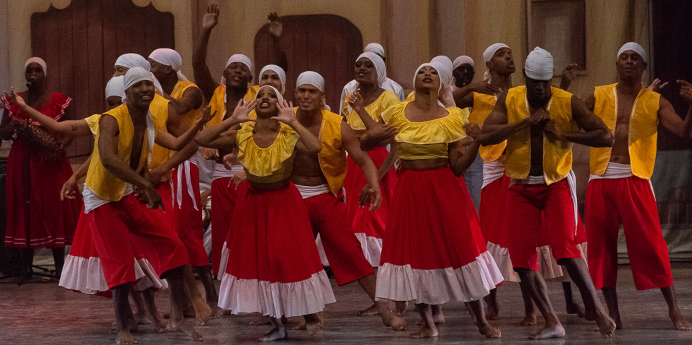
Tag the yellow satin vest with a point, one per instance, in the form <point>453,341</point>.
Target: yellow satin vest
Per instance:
<point>332,156</point>
<point>642,134</point>
<point>188,119</point>
<point>218,103</point>
<point>99,180</point>
<point>482,107</point>
<point>557,156</point>
<point>374,109</point>
<point>159,113</point>
<point>267,164</point>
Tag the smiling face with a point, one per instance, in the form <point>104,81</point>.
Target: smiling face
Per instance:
<point>309,98</point>
<point>140,94</point>
<point>427,78</point>
<point>366,73</point>
<point>34,74</point>
<point>266,102</point>
<point>270,77</point>
<point>630,65</point>
<point>237,75</point>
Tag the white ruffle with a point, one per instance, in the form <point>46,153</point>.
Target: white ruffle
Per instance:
<point>224,261</point>
<point>86,275</point>
<point>504,263</point>
<point>320,250</point>
<point>372,248</point>
<point>305,297</point>
<point>438,286</point>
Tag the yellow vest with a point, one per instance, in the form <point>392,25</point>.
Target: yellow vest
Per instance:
<point>188,119</point>
<point>557,156</point>
<point>482,107</point>
<point>159,113</point>
<point>332,156</point>
<point>218,103</point>
<point>374,109</point>
<point>642,134</point>
<point>99,180</point>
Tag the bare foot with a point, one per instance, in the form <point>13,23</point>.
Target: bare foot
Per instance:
<point>529,320</point>
<point>184,327</point>
<point>142,319</point>
<point>492,311</point>
<point>314,327</point>
<point>489,331</point>
<point>547,332</point>
<point>395,322</point>
<point>424,332</point>
<point>400,307</point>
<point>301,326</point>
<point>439,317</point>
<point>132,325</point>
<point>202,311</point>
<point>679,321</point>
<point>215,311</point>
<point>575,309</point>
<point>371,310</point>
<point>262,320</point>
<point>606,325</point>
<point>161,324</point>
<point>274,334</point>
<point>125,337</point>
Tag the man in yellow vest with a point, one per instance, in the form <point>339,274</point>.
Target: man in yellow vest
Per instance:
<point>540,123</point>
<point>620,190</point>
<point>320,180</point>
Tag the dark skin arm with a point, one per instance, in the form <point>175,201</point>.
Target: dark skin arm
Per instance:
<point>463,152</point>
<point>69,188</point>
<point>496,129</point>
<point>192,99</point>
<point>371,193</point>
<point>203,77</point>
<point>595,133</point>
<point>670,119</point>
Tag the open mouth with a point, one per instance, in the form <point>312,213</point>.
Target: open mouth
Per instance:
<point>264,104</point>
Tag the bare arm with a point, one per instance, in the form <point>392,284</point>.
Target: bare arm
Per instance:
<point>155,174</point>
<point>168,141</point>
<point>496,129</point>
<point>276,55</point>
<point>595,133</point>
<point>219,136</point>
<point>69,188</point>
<point>203,77</point>
<point>68,127</point>
<point>192,99</point>
<point>380,135</point>
<point>463,152</point>
<point>357,103</point>
<point>352,146</point>
<point>670,119</point>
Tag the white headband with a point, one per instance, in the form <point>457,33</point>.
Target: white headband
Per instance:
<point>169,57</point>
<point>240,58</point>
<point>278,94</point>
<point>311,78</point>
<point>279,71</point>
<point>135,75</point>
<point>635,47</point>
<point>130,60</point>
<point>464,59</point>
<point>490,51</point>
<point>539,64</point>
<point>379,66</point>
<point>116,87</point>
<point>37,60</point>
<point>433,65</point>
<point>374,48</point>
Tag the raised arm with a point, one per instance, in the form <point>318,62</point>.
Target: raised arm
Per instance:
<point>595,133</point>
<point>218,136</point>
<point>496,129</point>
<point>308,142</point>
<point>358,105</point>
<point>670,119</point>
<point>463,97</point>
<point>170,142</point>
<point>275,54</point>
<point>372,193</point>
<point>68,127</point>
<point>203,77</point>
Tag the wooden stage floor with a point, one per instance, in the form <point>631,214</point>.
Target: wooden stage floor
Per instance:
<point>44,313</point>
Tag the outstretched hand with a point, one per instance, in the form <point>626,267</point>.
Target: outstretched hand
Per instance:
<point>15,98</point>
<point>276,28</point>
<point>211,18</point>
<point>241,111</point>
<point>656,85</point>
<point>286,113</point>
<point>371,196</point>
<point>685,90</point>
<point>207,115</point>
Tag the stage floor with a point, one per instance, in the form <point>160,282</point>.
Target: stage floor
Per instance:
<point>44,313</point>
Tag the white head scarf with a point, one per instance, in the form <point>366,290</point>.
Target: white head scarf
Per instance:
<point>635,47</point>
<point>278,94</point>
<point>242,58</point>
<point>464,59</point>
<point>379,66</point>
<point>490,51</point>
<point>435,66</point>
<point>116,87</point>
<point>374,48</point>
<point>131,60</point>
<point>135,75</point>
<point>444,70</point>
<point>169,57</point>
<point>279,71</point>
<point>447,64</point>
<point>539,64</point>
<point>40,61</point>
<point>311,78</point>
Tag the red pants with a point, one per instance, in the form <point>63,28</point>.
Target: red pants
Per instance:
<point>492,211</point>
<point>118,227</point>
<point>629,201</point>
<point>223,198</point>
<point>187,220</point>
<point>328,215</point>
<point>525,203</point>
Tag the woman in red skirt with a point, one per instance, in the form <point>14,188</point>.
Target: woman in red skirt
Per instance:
<point>433,250</point>
<point>273,266</point>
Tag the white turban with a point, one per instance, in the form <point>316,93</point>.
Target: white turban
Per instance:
<point>37,60</point>
<point>279,71</point>
<point>374,48</point>
<point>379,66</point>
<point>437,67</point>
<point>635,47</point>
<point>131,60</point>
<point>445,73</point>
<point>116,87</point>
<point>445,62</point>
<point>539,64</point>
<point>278,94</point>
<point>135,75</point>
<point>490,51</point>
<point>311,78</point>
<point>240,58</point>
<point>169,57</point>
<point>464,59</point>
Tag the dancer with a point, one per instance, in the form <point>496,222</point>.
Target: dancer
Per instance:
<point>620,189</point>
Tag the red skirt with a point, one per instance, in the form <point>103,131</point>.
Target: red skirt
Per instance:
<point>223,199</point>
<point>273,266</point>
<point>433,251</point>
<point>369,226</point>
<point>52,222</point>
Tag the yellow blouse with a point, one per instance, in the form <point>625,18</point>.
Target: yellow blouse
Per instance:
<point>374,109</point>
<point>267,164</point>
<point>426,139</point>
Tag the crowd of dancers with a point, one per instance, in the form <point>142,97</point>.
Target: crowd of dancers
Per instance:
<point>372,188</point>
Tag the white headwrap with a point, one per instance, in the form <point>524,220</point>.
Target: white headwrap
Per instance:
<point>40,61</point>
<point>131,60</point>
<point>278,94</point>
<point>374,48</point>
<point>236,58</point>
<point>490,51</point>
<point>379,66</point>
<point>169,57</point>
<point>635,47</point>
<point>435,66</point>
<point>116,87</point>
<point>311,78</point>
<point>445,72</point>
<point>464,59</point>
<point>135,75</point>
<point>539,64</point>
<point>447,64</point>
<point>279,71</point>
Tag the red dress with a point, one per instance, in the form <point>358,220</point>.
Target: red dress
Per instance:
<point>52,222</point>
